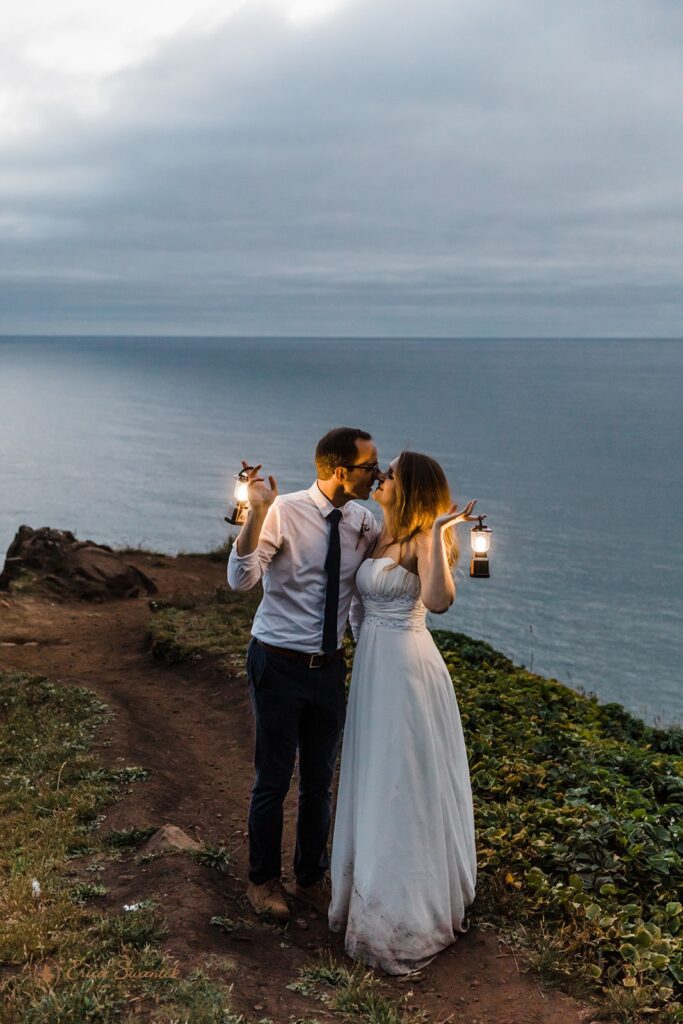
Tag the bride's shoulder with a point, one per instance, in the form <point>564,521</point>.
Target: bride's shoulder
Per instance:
<point>421,548</point>
<point>422,543</point>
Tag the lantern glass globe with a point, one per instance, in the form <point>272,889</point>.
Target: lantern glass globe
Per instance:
<point>481,540</point>
<point>241,491</point>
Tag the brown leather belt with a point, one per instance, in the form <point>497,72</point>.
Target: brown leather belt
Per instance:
<point>311,660</point>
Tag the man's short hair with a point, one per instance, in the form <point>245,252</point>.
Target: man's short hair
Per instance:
<point>338,448</point>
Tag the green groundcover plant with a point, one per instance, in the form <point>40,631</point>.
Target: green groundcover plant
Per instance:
<point>579,810</point>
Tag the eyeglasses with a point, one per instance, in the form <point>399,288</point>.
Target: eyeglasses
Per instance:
<point>370,467</point>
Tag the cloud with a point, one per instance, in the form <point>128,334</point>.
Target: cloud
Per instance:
<point>448,168</point>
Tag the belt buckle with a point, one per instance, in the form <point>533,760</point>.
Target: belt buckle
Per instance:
<point>312,663</point>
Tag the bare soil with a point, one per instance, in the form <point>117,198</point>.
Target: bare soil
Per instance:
<point>191,726</point>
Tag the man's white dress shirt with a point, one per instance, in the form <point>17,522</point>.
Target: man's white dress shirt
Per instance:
<point>290,560</point>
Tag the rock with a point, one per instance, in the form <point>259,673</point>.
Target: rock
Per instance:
<point>169,837</point>
<point>56,561</point>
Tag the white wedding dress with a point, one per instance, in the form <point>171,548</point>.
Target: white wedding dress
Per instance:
<point>403,855</point>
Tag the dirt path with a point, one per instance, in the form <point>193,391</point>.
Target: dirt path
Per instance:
<point>191,726</point>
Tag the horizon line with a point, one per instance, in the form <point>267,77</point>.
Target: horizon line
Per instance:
<point>351,337</point>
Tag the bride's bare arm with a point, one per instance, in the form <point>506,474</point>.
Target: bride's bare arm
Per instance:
<point>437,586</point>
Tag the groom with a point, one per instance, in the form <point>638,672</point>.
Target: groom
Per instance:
<point>306,548</point>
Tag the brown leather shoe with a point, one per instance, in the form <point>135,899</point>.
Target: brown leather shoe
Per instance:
<point>316,895</point>
<point>269,898</point>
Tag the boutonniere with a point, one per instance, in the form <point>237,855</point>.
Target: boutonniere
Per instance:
<point>363,529</point>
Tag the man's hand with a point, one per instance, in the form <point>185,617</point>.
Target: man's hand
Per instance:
<point>261,497</point>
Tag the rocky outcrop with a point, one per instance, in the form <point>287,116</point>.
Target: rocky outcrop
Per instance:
<point>55,561</point>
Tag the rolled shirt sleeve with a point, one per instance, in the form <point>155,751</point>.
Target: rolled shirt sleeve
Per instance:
<point>245,571</point>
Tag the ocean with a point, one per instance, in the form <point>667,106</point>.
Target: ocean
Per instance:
<point>572,449</point>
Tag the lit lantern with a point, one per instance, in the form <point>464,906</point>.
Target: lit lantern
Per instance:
<point>480,537</point>
<point>238,516</point>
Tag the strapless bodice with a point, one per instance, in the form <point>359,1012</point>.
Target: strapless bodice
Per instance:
<point>390,595</point>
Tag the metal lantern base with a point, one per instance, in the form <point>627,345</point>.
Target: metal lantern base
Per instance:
<point>239,514</point>
<point>479,567</point>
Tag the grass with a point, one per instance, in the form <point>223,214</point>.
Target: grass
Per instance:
<point>220,553</point>
<point>217,857</point>
<point>140,549</point>
<point>61,960</point>
<point>188,627</point>
<point>355,993</point>
<point>217,554</point>
<point>579,814</point>
<point>84,891</point>
<point>25,581</point>
<point>127,838</point>
<point>229,924</point>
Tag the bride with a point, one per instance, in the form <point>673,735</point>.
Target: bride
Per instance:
<point>403,856</point>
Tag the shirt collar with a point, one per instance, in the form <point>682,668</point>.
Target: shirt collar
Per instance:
<point>323,504</point>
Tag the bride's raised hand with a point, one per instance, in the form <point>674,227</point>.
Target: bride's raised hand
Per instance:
<point>261,496</point>
<point>453,517</point>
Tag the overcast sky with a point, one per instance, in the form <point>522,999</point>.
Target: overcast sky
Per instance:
<point>372,167</point>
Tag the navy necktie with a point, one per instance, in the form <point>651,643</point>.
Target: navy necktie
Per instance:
<point>332,563</point>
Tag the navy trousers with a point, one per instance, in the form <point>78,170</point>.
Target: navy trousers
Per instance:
<point>302,708</point>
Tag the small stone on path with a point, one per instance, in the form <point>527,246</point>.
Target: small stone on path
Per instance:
<point>169,837</point>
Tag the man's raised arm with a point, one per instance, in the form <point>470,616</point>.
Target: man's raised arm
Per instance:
<point>259,538</point>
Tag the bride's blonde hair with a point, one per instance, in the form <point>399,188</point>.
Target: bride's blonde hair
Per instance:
<point>422,494</point>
